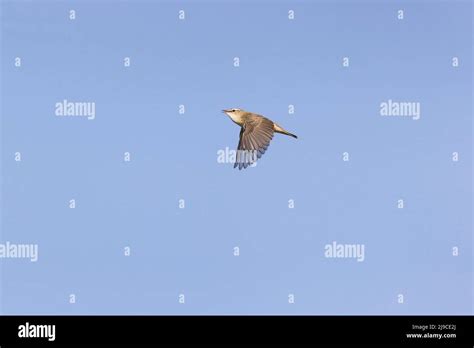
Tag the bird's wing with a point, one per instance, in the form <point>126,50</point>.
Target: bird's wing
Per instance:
<point>255,137</point>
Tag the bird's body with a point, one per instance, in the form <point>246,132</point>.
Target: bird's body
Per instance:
<point>255,135</point>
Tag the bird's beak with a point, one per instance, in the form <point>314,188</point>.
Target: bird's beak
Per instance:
<point>225,111</point>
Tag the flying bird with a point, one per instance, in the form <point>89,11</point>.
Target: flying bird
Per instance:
<point>255,135</point>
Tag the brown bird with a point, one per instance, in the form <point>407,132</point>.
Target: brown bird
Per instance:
<point>255,135</point>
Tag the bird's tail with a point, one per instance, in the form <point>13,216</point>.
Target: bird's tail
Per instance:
<point>278,129</point>
<point>290,134</point>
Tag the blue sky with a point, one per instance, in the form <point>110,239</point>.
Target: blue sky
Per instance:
<point>190,251</point>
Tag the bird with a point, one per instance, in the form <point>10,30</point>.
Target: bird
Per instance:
<point>256,132</point>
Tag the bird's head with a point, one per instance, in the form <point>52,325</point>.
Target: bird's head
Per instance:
<point>233,112</point>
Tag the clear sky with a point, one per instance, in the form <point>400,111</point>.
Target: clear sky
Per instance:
<point>190,251</point>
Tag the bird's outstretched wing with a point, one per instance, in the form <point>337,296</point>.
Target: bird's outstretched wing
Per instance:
<point>255,137</point>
